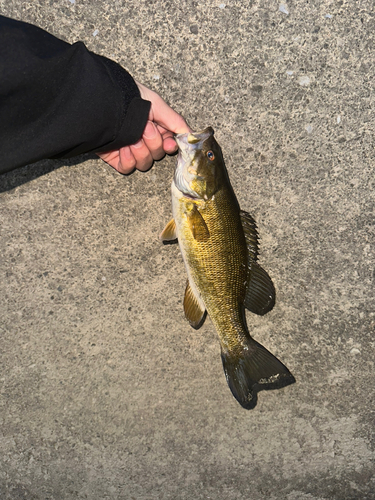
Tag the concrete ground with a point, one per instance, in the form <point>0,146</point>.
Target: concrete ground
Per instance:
<point>106,391</point>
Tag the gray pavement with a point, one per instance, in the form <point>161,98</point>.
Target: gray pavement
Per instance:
<point>106,391</point>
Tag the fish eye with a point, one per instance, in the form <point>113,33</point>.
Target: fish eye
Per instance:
<point>210,155</point>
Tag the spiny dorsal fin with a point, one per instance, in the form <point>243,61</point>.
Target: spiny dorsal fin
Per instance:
<point>169,232</point>
<point>197,225</point>
<point>251,234</point>
<point>260,292</point>
<point>194,312</point>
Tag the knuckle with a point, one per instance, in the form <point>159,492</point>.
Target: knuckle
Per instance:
<point>127,167</point>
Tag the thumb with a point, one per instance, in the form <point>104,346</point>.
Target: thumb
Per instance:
<point>162,114</point>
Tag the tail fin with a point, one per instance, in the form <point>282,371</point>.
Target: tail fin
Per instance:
<point>251,370</point>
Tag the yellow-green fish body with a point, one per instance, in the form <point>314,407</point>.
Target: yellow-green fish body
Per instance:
<point>214,250</point>
<point>219,245</point>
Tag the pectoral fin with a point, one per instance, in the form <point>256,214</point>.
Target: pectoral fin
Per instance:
<point>260,292</point>
<point>197,225</point>
<point>169,233</point>
<point>194,312</point>
<point>251,234</point>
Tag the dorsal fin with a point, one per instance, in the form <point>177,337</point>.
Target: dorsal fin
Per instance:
<point>251,234</point>
<point>194,312</point>
<point>260,292</point>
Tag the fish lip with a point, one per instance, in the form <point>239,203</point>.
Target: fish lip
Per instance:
<point>183,139</point>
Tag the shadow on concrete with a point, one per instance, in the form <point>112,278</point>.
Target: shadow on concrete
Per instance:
<point>15,178</point>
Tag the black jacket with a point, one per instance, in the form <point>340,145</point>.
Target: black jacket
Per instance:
<point>59,100</point>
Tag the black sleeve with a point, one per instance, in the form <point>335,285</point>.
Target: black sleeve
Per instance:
<point>59,100</point>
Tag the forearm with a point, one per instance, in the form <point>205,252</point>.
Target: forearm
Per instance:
<point>60,100</point>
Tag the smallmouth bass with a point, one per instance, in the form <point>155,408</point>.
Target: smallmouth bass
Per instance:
<point>219,246</point>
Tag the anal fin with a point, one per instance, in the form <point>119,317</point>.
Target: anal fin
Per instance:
<point>194,312</point>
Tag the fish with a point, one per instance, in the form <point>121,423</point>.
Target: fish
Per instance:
<point>219,245</point>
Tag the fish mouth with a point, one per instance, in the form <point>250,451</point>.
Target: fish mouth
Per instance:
<point>193,140</point>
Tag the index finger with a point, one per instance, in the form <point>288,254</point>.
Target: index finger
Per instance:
<point>162,114</point>
<point>168,118</point>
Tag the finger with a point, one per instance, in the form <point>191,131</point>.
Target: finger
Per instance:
<point>169,145</point>
<point>153,141</point>
<point>142,155</point>
<point>112,158</point>
<point>127,162</point>
<point>167,117</point>
<point>163,114</point>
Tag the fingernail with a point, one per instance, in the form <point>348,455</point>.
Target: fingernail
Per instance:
<point>149,131</point>
<point>138,144</point>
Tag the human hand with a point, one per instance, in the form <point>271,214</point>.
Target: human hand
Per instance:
<point>157,138</point>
